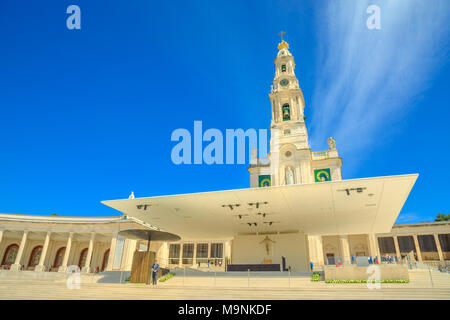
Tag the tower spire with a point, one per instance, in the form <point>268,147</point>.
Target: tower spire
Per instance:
<point>283,44</point>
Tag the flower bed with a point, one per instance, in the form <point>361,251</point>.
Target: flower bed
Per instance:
<point>166,277</point>
<point>366,281</point>
<point>315,277</point>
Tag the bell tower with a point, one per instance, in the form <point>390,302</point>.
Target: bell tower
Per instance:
<point>287,101</point>
<point>290,160</point>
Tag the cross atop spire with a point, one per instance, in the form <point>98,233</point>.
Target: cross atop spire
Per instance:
<point>283,44</point>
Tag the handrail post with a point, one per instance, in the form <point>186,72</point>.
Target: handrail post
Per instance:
<point>289,278</point>
<point>431,278</point>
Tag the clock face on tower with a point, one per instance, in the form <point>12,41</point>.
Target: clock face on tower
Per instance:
<point>284,82</point>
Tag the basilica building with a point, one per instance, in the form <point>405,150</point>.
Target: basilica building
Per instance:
<point>297,210</point>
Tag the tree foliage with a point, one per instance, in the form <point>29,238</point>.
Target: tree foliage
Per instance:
<point>442,217</point>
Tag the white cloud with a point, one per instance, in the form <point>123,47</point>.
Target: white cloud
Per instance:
<point>368,79</point>
<point>412,217</point>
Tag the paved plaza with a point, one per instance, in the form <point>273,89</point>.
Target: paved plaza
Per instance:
<point>20,286</point>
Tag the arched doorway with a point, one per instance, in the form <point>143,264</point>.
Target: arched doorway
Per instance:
<point>286,110</point>
<point>10,255</point>
<point>83,256</point>
<point>35,256</point>
<point>105,260</point>
<point>59,257</point>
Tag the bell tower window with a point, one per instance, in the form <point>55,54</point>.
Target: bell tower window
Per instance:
<point>286,112</point>
<point>283,68</point>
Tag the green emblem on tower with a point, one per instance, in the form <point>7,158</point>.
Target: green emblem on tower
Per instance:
<point>264,181</point>
<point>322,175</point>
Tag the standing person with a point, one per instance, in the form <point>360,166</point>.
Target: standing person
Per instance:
<point>155,269</point>
<point>311,264</point>
<point>209,261</point>
<point>353,260</point>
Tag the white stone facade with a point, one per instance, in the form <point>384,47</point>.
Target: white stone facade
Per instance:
<point>52,243</point>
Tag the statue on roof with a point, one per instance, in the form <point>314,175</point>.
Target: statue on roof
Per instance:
<point>331,143</point>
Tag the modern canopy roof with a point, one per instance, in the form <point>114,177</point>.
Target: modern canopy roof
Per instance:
<point>150,235</point>
<point>327,208</point>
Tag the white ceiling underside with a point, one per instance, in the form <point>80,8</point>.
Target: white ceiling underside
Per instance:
<point>323,208</point>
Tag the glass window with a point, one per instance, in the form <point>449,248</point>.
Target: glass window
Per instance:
<point>174,253</point>
<point>59,257</point>
<point>427,243</point>
<point>10,255</point>
<point>202,250</point>
<point>406,244</point>
<point>216,254</point>
<point>119,251</point>
<point>82,261</point>
<point>444,239</point>
<point>202,254</point>
<point>35,256</point>
<point>283,68</point>
<point>143,246</point>
<point>386,245</point>
<point>188,253</point>
<point>216,250</point>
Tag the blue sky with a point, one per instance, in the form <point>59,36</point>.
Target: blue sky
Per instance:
<point>87,115</point>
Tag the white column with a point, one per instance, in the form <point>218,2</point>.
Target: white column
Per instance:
<point>194,262</point>
<point>87,265</point>
<point>374,249</point>
<point>209,252</point>
<point>319,253</point>
<point>1,237</point>
<point>180,260</point>
<point>438,247</point>
<point>16,266</point>
<point>112,251</point>
<point>312,249</point>
<point>345,249</point>
<point>63,267</point>
<point>227,250</point>
<point>40,267</point>
<point>397,247</point>
<point>164,254</point>
<point>416,244</point>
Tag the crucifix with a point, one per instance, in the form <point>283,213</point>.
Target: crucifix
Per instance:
<point>267,241</point>
<point>281,34</point>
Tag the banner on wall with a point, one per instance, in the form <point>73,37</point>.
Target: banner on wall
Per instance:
<point>264,181</point>
<point>321,175</point>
